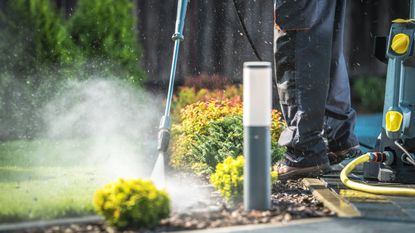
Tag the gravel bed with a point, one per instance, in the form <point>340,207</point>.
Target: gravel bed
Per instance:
<point>289,201</point>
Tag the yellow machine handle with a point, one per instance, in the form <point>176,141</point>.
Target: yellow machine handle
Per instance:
<point>400,43</point>
<point>396,191</point>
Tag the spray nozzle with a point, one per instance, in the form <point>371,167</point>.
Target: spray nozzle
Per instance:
<point>164,134</point>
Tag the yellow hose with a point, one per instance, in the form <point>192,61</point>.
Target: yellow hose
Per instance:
<point>396,191</point>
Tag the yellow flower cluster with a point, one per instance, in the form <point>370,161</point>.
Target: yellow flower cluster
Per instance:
<point>135,202</point>
<point>228,178</point>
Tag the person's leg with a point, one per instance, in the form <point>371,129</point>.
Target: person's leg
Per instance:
<point>340,116</point>
<point>303,44</point>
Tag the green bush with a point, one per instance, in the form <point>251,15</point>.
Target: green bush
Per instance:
<point>224,138</point>
<point>228,178</point>
<point>41,51</point>
<point>370,91</point>
<point>212,131</point>
<point>194,121</point>
<point>105,30</point>
<point>129,203</point>
<point>34,38</point>
<point>34,45</point>
<point>190,95</point>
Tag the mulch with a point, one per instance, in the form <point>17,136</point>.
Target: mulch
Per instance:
<point>290,201</point>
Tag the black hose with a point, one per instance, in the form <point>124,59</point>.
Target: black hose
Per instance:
<point>245,30</point>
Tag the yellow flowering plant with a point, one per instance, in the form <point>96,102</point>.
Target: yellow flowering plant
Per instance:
<point>131,203</point>
<point>228,178</point>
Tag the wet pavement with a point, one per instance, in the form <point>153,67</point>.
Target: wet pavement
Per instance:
<point>375,206</point>
<point>370,205</point>
<point>323,225</point>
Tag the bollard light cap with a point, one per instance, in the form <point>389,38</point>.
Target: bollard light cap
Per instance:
<point>257,64</point>
<point>257,96</point>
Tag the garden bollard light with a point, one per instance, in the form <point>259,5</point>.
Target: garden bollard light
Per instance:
<point>257,100</point>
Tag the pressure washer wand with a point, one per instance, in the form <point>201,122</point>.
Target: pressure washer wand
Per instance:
<point>165,123</point>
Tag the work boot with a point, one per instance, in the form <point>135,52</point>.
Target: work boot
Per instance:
<point>288,171</point>
<point>338,156</point>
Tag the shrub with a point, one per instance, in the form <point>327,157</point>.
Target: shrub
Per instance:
<point>228,178</point>
<point>105,31</point>
<point>33,37</point>
<point>189,95</point>
<point>224,138</point>
<point>209,134</point>
<point>128,203</point>
<point>195,119</point>
<point>41,50</point>
<point>370,91</point>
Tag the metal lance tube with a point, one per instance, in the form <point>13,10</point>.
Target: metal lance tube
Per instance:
<point>257,109</point>
<point>165,123</point>
<point>412,9</point>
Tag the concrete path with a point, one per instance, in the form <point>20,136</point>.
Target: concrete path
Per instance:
<point>323,225</point>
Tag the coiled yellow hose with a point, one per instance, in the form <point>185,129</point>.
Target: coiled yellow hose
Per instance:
<point>396,191</point>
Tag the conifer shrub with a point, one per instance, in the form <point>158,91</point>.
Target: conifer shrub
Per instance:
<point>34,37</point>
<point>37,56</point>
<point>223,138</point>
<point>105,30</point>
<point>211,131</point>
<point>194,121</point>
<point>41,51</point>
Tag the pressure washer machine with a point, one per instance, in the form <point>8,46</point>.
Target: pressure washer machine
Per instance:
<point>396,142</point>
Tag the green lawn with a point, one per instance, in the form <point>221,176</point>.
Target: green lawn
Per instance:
<point>45,179</point>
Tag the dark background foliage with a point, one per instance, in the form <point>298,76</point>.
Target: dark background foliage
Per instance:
<point>215,44</point>
<point>42,41</point>
<point>41,49</point>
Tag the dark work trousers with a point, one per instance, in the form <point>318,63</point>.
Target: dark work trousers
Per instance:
<point>312,80</point>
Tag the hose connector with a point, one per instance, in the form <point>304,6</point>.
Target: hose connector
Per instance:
<point>368,157</point>
<point>385,157</point>
<point>177,36</point>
